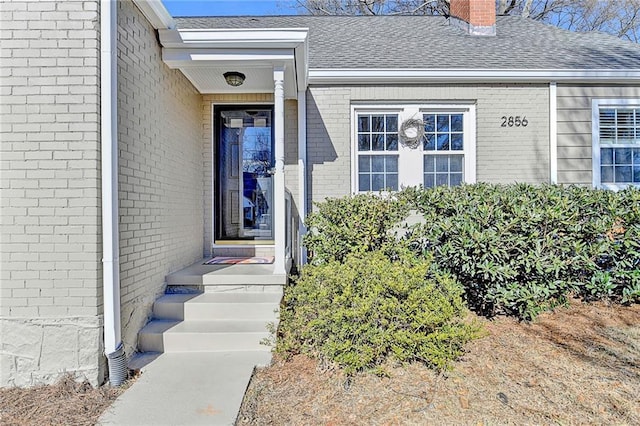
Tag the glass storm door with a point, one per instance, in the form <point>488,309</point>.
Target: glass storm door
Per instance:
<point>244,173</point>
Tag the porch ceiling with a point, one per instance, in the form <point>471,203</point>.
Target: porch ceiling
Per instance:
<point>204,56</point>
<point>259,78</point>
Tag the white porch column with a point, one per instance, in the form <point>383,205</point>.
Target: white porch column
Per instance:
<point>279,192</point>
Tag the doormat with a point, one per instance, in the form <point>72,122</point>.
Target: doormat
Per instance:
<point>225,260</point>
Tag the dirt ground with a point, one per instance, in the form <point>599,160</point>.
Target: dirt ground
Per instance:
<point>577,365</point>
<point>65,403</point>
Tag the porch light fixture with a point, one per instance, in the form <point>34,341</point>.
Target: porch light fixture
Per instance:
<point>234,78</point>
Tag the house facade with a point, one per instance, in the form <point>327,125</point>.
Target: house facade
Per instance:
<point>135,144</point>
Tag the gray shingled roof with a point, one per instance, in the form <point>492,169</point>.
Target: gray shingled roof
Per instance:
<point>429,42</point>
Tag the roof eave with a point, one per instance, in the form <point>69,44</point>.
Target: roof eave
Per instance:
<point>400,76</point>
<point>156,13</point>
<point>183,48</point>
<point>234,38</point>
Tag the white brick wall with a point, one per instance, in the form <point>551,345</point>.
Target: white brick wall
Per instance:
<point>503,154</point>
<point>51,280</point>
<point>574,128</point>
<point>161,169</point>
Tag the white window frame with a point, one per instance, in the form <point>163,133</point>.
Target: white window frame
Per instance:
<point>596,104</point>
<point>410,165</point>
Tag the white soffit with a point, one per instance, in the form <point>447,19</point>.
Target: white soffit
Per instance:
<point>258,79</point>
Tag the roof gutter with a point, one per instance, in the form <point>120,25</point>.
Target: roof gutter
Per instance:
<point>109,177</point>
<point>400,76</point>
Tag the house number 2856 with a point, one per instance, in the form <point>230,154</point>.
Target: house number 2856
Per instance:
<point>512,121</point>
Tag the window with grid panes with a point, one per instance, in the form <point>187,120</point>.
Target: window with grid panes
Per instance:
<point>616,144</point>
<point>443,146</point>
<point>377,139</point>
<point>445,155</point>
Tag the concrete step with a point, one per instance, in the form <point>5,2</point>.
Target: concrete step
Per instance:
<point>203,336</point>
<point>202,275</point>
<point>218,306</point>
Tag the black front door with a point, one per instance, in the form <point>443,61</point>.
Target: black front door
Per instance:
<point>244,182</point>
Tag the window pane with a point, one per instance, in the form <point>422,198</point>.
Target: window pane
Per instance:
<point>443,169</point>
<point>443,123</point>
<point>606,174</point>
<point>607,125</point>
<point>623,156</point>
<point>392,123</point>
<point>363,123</point>
<point>364,163</point>
<point>377,142</point>
<point>392,182</point>
<point>443,142</point>
<point>455,179</point>
<point>377,182</point>
<point>606,156</point>
<point>363,183</point>
<point>442,163</point>
<point>364,144</point>
<point>442,179</point>
<point>429,181</point>
<point>429,123</point>
<point>636,156</point>
<point>625,117</point>
<point>607,135</point>
<point>377,163</point>
<point>636,174</point>
<point>456,142</point>
<point>429,163</point>
<point>430,142</point>
<point>456,122</point>
<point>607,117</point>
<point>623,174</point>
<point>626,134</point>
<point>391,164</point>
<point>456,163</point>
<point>377,123</point>
<point>377,172</point>
<point>392,142</point>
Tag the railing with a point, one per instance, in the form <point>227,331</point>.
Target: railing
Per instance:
<point>289,226</point>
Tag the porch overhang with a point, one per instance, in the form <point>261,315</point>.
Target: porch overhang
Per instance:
<point>203,56</point>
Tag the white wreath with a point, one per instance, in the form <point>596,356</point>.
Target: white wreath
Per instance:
<point>415,127</point>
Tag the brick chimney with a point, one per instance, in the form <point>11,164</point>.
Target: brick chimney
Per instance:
<point>476,17</point>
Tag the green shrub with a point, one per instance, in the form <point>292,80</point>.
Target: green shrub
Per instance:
<point>516,249</point>
<point>366,308</point>
<point>354,224</point>
<point>519,249</point>
<point>616,265</point>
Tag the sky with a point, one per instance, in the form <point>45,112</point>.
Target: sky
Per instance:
<point>229,7</point>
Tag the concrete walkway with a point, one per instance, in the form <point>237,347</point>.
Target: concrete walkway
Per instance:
<point>203,388</point>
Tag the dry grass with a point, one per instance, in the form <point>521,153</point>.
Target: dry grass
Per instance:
<point>65,403</point>
<point>578,365</point>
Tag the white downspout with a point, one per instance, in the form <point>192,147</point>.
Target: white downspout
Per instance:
<point>109,171</point>
<point>553,132</point>
<point>302,171</point>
